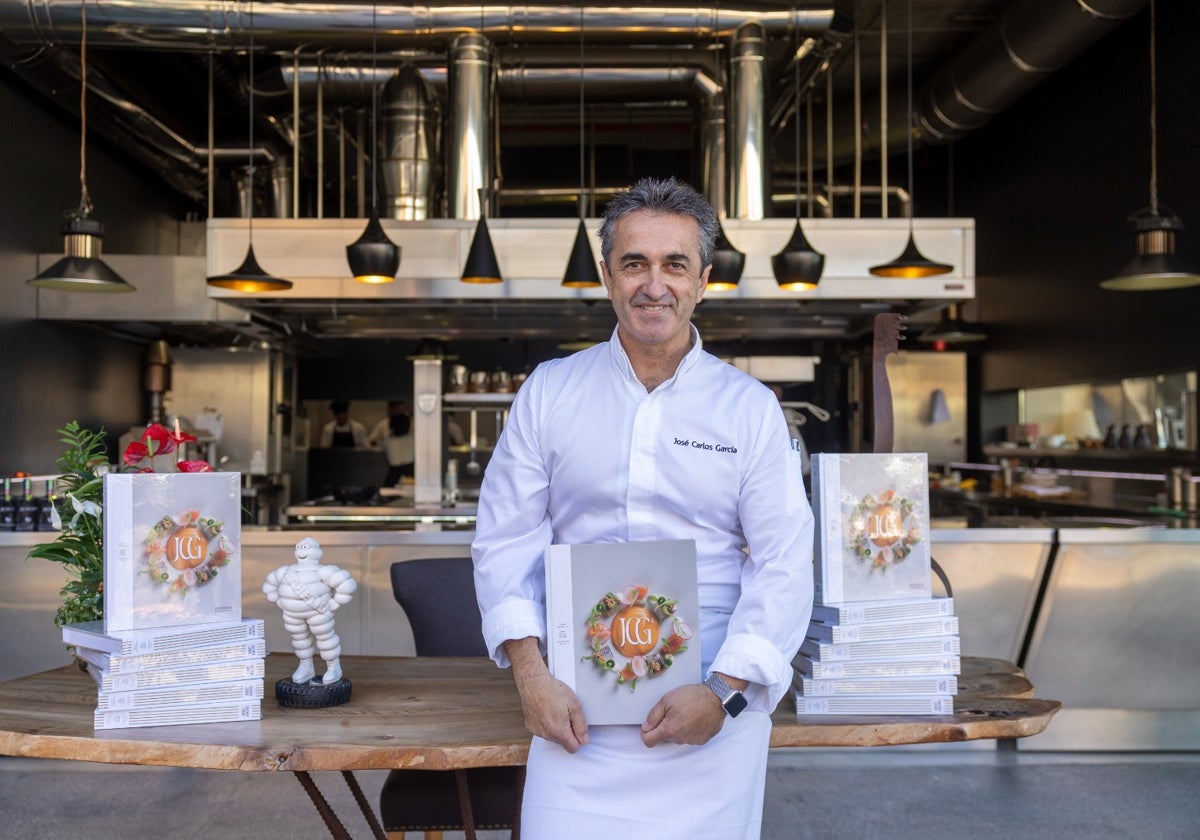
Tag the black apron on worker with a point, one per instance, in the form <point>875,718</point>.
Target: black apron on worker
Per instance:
<point>343,438</point>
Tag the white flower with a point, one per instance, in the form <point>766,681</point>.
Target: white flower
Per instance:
<point>82,508</point>
<point>55,519</point>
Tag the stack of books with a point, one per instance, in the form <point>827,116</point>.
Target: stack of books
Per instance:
<point>173,647</point>
<point>173,675</point>
<point>878,641</point>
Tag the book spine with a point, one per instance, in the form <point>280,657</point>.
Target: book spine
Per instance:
<point>174,716</point>
<point>117,664</point>
<point>154,643</point>
<point>880,631</point>
<point>560,629</point>
<point>831,505</point>
<point>892,649</point>
<point>866,613</point>
<point>182,695</point>
<point>882,686</point>
<point>180,676</point>
<point>948,665</point>
<point>874,705</point>
<point>118,552</point>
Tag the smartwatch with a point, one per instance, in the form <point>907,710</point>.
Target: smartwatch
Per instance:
<point>731,699</point>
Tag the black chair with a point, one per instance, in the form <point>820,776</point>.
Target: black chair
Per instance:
<point>442,800</point>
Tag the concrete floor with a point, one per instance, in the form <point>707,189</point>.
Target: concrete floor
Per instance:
<point>898,794</point>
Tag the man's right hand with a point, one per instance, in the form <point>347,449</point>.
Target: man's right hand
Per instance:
<point>552,710</point>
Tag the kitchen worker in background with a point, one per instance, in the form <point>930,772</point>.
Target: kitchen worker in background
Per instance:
<point>341,431</point>
<point>598,448</point>
<point>394,435</point>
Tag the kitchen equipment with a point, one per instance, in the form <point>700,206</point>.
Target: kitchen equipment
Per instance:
<point>501,382</point>
<point>458,379</point>
<point>473,467</point>
<point>480,380</point>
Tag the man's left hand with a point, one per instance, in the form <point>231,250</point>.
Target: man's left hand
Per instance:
<point>690,714</point>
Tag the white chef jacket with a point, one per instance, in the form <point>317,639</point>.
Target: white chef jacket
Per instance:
<point>589,456</point>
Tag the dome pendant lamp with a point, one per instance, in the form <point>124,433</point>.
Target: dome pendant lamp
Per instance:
<point>911,263</point>
<point>727,264</point>
<point>1155,266</point>
<point>81,269</point>
<point>373,258</point>
<point>798,266</point>
<point>581,270</point>
<point>249,276</point>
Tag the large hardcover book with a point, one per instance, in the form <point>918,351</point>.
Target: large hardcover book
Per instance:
<point>179,695</point>
<point>882,686</point>
<point>113,663</point>
<point>619,621</point>
<point>875,705</point>
<point>872,540</point>
<point>860,612</point>
<point>238,670</point>
<point>176,715</point>
<point>888,649</point>
<point>882,630</point>
<point>925,666</point>
<point>91,634</point>
<point>172,549</point>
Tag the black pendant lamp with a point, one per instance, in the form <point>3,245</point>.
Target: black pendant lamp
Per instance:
<point>373,258</point>
<point>952,329</point>
<point>798,266</point>
<point>911,263</point>
<point>249,276</point>
<point>481,265</point>
<point>81,269</point>
<point>1156,266</point>
<point>727,264</point>
<point>581,270</point>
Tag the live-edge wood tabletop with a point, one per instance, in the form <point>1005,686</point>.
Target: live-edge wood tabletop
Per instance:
<point>437,714</point>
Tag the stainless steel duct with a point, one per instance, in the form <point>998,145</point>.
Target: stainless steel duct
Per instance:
<point>411,128</point>
<point>748,138</point>
<point>469,148</point>
<point>1032,39</point>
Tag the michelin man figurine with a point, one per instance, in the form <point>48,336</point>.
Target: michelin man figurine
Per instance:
<point>309,593</point>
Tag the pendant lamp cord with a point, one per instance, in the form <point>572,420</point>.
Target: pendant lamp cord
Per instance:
<point>85,199</point>
<point>374,99</point>
<point>582,200</point>
<point>1153,118</point>
<point>909,85</point>
<point>796,83</point>
<point>250,134</point>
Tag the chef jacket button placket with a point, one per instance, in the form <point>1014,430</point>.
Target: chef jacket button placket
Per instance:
<point>643,468</point>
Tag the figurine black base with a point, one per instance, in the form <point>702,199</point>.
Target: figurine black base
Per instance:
<point>313,694</point>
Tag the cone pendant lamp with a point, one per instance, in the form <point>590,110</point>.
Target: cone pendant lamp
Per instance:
<point>373,258</point>
<point>581,270</point>
<point>727,264</point>
<point>481,265</point>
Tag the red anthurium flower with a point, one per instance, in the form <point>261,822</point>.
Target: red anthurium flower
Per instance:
<point>159,439</point>
<point>134,453</point>
<point>194,466</point>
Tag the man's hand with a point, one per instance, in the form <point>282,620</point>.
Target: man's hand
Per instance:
<point>690,714</point>
<point>552,710</point>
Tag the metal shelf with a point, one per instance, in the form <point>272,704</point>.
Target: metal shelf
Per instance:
<point>469,400</point>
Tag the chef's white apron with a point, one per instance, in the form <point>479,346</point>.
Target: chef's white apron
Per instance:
<point>615,788</point>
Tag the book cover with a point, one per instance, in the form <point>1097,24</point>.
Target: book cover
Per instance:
<point>177,715</point>
<point>882,630</point>
<point>889,649</point>
<point>115,663</point>
<point>943,705</point>
<point>91,634</point>
<point>172,549</point>
<point>873,532</point>
<point>881,686</point>
<point>927,666</point>
<point>181,695</point>
<point>239,670</point>
<point>619,619</point>
<point>860,612</point>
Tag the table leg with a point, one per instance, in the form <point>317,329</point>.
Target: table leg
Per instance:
<point>364,805</point>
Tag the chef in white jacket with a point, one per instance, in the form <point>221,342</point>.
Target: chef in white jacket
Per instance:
<point>649,437</point>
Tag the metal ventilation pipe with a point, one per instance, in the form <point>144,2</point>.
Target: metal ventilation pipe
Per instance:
<point>748,140</point>
<point>469,148</point>
<point>1031,40</point>
<point>410,116</point>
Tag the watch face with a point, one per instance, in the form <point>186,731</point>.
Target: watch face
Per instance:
<point>735,704</point>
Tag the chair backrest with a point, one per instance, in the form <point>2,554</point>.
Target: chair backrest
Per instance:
<point>438,596</point>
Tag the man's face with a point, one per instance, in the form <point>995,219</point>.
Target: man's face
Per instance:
<point>653,276</point>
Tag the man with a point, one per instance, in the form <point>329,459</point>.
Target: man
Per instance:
<point>598,449</point>
<point>341,430</point>
<point>394,434</point>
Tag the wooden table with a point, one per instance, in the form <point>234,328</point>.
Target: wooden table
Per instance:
<point>436,714</point>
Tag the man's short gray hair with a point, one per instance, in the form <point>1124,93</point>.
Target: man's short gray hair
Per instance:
<point>658,195</point>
